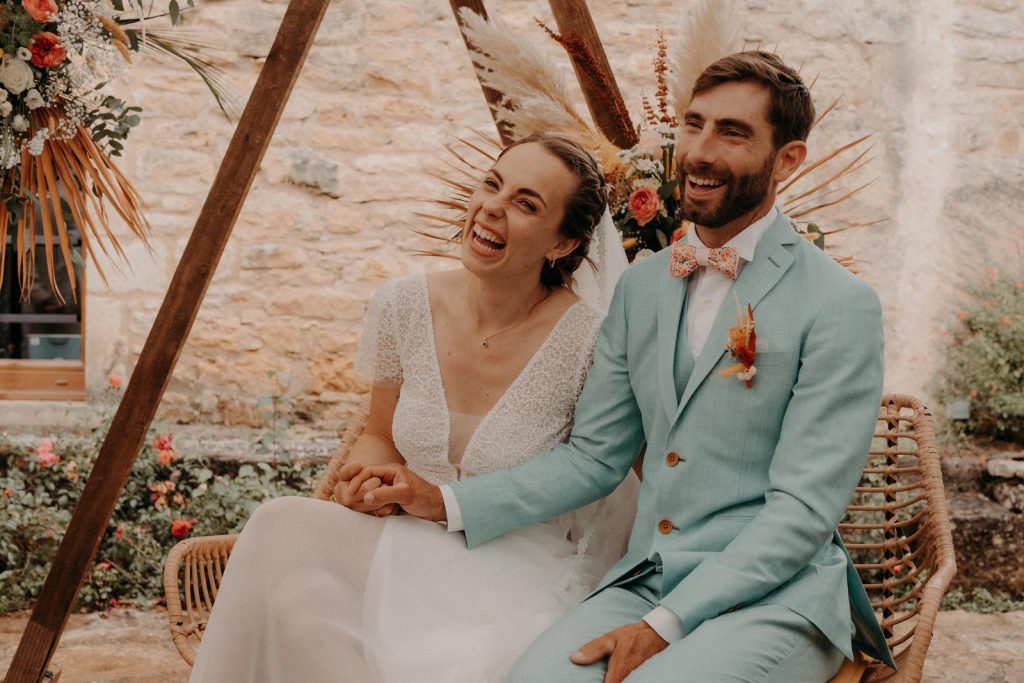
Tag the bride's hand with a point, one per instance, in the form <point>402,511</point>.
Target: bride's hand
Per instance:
<point>401,485</point>
<point>355,500</point>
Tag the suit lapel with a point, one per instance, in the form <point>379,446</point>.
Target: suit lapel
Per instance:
<point>670,308</point>
<point>771,260</point>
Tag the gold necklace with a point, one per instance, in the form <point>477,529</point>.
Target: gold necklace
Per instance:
<point>488,338</point>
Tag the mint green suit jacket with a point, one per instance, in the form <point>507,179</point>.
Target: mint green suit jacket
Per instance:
<point>765,473</point>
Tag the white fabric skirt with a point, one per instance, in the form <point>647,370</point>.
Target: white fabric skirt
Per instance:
<point>316,592</point>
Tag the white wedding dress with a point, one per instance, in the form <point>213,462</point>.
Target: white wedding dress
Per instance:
<point>316,592</point>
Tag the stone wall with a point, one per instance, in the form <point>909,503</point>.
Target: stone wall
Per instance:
<point>939,83</point>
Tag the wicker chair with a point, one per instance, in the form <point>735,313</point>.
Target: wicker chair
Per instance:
<point>896,528</point>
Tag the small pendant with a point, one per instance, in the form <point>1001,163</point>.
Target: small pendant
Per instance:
<point>485,343</point>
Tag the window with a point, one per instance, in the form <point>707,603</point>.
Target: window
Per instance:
<point>41,341</point>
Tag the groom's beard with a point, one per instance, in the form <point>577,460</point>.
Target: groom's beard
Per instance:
<point>742,194</point>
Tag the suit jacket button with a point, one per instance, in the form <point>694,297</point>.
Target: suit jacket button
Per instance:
<point>665,526</point>
<point>672,459</point>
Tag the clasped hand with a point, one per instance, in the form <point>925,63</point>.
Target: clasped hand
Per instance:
<point>382,489</point>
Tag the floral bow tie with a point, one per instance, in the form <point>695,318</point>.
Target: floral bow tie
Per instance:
<point>686,258</point>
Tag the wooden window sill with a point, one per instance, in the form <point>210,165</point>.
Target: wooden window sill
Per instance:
<point>47,380</point>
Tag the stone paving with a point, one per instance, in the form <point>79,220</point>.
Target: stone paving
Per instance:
<point>128,646</point>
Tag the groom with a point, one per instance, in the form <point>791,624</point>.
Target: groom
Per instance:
<point>734,569</point>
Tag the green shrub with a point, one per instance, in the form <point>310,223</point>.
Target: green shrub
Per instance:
<point>167,497</point>
<point>985,364</point>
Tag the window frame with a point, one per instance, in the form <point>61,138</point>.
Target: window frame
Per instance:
<point>23,379</point>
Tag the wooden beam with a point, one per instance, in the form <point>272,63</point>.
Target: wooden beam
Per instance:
<point>606,105</point>
<point>492,96</point>
<point>163,346</point>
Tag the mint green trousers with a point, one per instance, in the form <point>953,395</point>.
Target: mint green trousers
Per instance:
<point>759,644</point>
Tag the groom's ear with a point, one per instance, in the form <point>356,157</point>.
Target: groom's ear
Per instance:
<point>788,159</point>
<point>564,247</point>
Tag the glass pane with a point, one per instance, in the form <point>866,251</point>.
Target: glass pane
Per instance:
<point>40,327</point>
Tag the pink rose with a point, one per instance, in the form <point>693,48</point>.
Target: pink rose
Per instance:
<point>45,454</point>
<point>40,10</point>
<point>644,203</point>
<point>115,380</point>
<point>165,457</point>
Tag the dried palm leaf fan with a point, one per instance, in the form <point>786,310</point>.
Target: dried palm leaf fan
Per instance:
<point>58,132</point>
<point>535,100</point>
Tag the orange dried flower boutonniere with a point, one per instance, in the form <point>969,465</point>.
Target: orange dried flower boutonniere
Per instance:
<point>742,345</point>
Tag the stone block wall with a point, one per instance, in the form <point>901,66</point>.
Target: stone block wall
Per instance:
<point>939,83</point>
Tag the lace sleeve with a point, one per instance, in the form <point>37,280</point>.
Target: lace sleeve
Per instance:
<point>377,358</point>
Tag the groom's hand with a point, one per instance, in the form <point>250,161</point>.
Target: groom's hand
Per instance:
<point>626,648</point>
<point>401,486</point>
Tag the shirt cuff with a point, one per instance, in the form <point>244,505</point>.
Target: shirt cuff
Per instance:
<point>665,623</point>
<point>451,508</point>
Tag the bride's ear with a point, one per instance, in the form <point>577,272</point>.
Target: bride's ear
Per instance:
<point>564,247</point>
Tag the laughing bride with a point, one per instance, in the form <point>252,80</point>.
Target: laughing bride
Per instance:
<point>471,369</point>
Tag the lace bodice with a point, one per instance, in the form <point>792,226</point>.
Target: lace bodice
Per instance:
<point>533,414</point>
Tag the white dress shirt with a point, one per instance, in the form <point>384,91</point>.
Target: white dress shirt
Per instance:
<point>706,291</point>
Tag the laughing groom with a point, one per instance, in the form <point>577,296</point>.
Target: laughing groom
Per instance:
<point>734,570</point>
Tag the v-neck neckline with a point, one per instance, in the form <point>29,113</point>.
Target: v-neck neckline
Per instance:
<point>432,338</point>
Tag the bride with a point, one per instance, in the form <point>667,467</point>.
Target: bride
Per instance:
<point>473,370</point>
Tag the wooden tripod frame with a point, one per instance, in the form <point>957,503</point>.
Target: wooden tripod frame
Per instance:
<point>192,277</point>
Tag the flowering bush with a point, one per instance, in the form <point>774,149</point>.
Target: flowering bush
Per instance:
<point>168,496</point>
<point>985,363</point>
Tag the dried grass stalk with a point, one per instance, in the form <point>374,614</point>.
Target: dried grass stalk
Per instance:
<point>535,98</point>
<point>709,35</point>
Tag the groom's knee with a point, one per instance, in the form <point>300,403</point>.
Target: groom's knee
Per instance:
<point>542,663</point>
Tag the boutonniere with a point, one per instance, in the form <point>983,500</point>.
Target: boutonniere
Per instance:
<point>742,345</point>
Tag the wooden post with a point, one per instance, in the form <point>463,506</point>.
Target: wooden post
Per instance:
<point>492,96</point>
<point>163,346</point>
<point>608,108</point>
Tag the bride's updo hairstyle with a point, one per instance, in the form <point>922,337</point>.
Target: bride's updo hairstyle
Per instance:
<point>582,212</point>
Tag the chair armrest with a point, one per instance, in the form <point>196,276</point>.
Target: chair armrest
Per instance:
<point>200,562</point>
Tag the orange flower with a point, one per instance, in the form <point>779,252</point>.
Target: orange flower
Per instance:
<point>742,345</point>
<point>163,442</point>
<point>46,50</point>
<point>119,533</point>
<point>165,457</point>
<point>181,527</point>
<point>962,315</point>
<point>644,204</point>
<point>8,493</point>
<point>1007,320</point>
<point>40,10</point>
<point>114,380</point>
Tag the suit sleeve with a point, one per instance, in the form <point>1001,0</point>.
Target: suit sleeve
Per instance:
<point>826,431</point>
<point>605,439</point>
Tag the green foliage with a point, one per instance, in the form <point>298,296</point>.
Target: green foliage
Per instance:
<point>981,600</point>
<point>985,363</point>
<point>111,122</point>
<point>167,497</point>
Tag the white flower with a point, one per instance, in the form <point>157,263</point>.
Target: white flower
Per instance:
<point>35,146</point>
<point>663,128</point>
<point>3,95</point>
<point>745,375</point>
<point>33,100</point>
<point>19,123</point>
<point>648,166</point>
<point>24,54</point>
<point>16,75</point>
<point>5,108</point>
<point>649,183</point>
